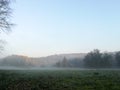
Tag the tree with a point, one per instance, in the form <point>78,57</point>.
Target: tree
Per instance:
<point>5,14</point>
<point>117,58</point>
<point>58,64</point>
<point>64,63</point>
<point>93,59</point>
<point>106,60</point>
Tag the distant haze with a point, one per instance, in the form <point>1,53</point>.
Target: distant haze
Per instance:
<point>49,61</point>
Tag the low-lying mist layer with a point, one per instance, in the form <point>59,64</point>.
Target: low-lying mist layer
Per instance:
<point>92,60</point>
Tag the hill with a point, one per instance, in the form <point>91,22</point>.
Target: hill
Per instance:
<point>49,61</point>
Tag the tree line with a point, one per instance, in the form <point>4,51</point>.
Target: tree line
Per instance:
<point>93,59</point>
<point>96,59</point>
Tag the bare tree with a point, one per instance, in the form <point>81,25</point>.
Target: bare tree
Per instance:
<point>5,14</point>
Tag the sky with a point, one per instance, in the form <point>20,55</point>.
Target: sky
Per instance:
<point>47,27</point>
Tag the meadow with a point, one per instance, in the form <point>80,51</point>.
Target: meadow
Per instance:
<point>60,79</point>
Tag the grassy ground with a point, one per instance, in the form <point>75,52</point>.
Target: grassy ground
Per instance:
<point>60,80</point>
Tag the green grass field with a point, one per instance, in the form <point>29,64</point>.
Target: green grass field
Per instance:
<point>59,80</point>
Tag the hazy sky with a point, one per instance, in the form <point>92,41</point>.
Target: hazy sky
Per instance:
<point>45,27</point>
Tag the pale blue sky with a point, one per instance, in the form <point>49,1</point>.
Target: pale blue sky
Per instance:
<point>46,27</point>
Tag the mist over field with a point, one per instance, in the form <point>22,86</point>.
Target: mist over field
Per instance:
<point>42,62</point>
<point>59,45</point>
<point>92,60</point>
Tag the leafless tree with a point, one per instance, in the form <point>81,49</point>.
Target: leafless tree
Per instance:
<point>5,14</point>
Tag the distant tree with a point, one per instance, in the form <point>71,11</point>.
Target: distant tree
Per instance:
<point>17,61</point>
<point>93,59</point>
<point>76,62</point>
<point>117,58</point>
<point>106,60</point>
<point>58,64</point>
<point>63,63</point>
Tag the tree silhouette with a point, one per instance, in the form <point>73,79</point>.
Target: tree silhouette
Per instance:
<point>106,60</point>
<point>5,14</point>
<point>5,23</point>
<point>93,59</point>
<point>117,58</point>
